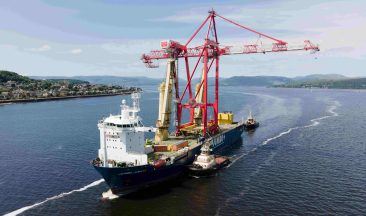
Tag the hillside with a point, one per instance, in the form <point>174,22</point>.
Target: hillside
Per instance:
<point>350,83</point>
<point>146,81</point>
<point>17,88</point>
<point>6,76</point>
<point>313,77</point>
<point>255,81</point>
<point>110,80</point>
<point>314,80</point>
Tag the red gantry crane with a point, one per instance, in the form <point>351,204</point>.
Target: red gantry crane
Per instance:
<point>209,54</point>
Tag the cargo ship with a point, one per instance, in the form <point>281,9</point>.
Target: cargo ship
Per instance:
<point>129,162</point>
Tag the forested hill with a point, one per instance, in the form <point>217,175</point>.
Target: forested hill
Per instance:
<point>354,83</point>
<point>6,76</point>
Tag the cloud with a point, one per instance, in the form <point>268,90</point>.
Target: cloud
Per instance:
<point>76,51</point>
<point>340,34</point>
<point>320,21</point>
<point>42,48</point>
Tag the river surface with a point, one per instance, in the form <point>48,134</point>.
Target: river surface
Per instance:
<point>307,157</point>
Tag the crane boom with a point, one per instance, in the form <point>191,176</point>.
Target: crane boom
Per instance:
<point>209,54</point>
<point>228,50</point>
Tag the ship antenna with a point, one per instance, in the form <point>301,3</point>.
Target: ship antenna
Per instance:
<point>136,101</point>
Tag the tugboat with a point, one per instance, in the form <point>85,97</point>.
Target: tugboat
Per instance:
<point>206,163</point>
<point>250,123</point>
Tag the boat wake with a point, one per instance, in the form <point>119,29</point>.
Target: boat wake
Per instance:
<point>235,159</point>
<point>109,195</point>
<point>331,110</point>
<point>314,122</point>
<point>21,210</point>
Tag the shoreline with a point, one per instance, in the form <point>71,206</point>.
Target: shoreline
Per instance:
<point>34,100</point>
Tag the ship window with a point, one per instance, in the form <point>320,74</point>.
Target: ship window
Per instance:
<point>119,125</point>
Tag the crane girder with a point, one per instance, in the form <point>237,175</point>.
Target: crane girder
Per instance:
<point>228,50</point>
<point>207,54</point>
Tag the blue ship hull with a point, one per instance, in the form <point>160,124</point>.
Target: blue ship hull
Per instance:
<point>129,179</point>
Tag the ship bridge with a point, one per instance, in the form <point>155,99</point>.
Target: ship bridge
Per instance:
<point>122,137</point>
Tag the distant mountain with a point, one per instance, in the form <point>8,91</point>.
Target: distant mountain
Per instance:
<point>110,80</point>
<point>255,81</point>
<point>314,80</point>
<point>356,83</point>
<point>350,83</point>
<point>320,77</point>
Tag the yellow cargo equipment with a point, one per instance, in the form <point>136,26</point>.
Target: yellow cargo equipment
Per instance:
<point>225,118</point>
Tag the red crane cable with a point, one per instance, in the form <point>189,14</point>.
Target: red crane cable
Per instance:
<point>198,30</point>
<point>252,30</point>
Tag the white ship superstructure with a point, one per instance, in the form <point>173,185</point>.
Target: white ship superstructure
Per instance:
<point>205,160</point>
<point>122,137</point>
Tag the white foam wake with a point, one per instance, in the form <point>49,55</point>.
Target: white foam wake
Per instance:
<point>235,159</point>
<point>21,210</point>
<point>331,110</point>
<point>279,135</point>
<point>314,122</point>
<point>109,195</point>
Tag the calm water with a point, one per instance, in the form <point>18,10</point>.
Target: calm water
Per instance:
<point>308,157</point>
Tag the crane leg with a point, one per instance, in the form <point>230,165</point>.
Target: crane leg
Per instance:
<point>165,103</point>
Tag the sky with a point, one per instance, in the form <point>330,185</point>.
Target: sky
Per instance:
<point>89,37</point>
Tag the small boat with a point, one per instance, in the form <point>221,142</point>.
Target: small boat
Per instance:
<point>207,164</point>
<point>250,123</point>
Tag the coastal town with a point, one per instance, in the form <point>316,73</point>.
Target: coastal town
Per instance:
<point>14,88</point>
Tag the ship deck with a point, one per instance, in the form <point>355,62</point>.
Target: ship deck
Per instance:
<point>192,142</point>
